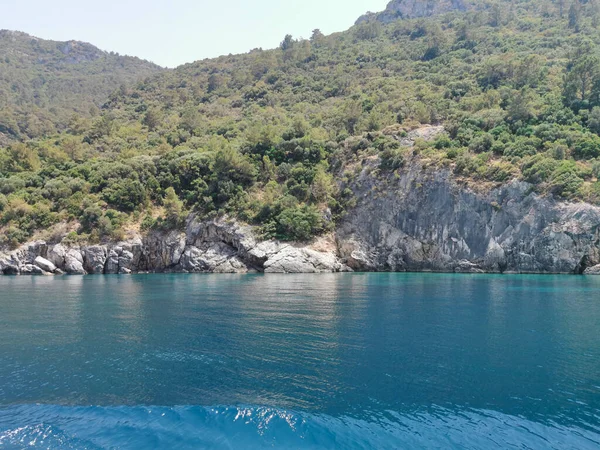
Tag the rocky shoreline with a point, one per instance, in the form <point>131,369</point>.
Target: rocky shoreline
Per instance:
<point>204,247</point>
<point>416,220</point>
<point>423,219</point>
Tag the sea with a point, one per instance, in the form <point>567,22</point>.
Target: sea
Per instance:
<point>306,361</point>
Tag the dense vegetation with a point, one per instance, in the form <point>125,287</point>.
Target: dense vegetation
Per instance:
<point>273,137</point>
<point>44,83</point>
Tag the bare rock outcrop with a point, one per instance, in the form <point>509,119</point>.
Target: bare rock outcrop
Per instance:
<point>218,246</point>
<point>424,220</point>
<point>411,9</point>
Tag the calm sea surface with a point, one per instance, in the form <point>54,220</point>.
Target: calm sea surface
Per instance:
<point>300,361</point>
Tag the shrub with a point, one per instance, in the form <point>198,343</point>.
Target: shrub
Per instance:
<point>482,143</point>
<point>90,217</point>
<point>125,195</point>
<point>565,180</point>
<point>500,171</point>
<point>174,212</point>
<point>13,236</point>
<point>299,223</point>
<point>12,184</point>
<point>587,148</point>
<point>595,172</point>
<point>147,223</point>
<point>538,169</point>
<point>392,158</point>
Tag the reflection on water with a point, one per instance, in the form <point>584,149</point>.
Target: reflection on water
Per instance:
<point>334,346</point>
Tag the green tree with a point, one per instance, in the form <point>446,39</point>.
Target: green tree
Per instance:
<point>287,43</point>
<point>436,39</point>
<point>152,118</point>
<point>581,81</point>
<point>174,211</point>
<point>594,120</point>
<point>495,15</point>
<point>317,37</point>
<point>575,16</point>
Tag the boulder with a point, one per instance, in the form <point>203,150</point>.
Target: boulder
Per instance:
<point>30,269</point>
<point>291,259</point>
<point>27,253</point>
<point>164,250</point>
<point>57,255</point>
<point>44,264</point>
<point>94,258</point>
<point>74,262</point>
<point>595,270</point>
<point>10,268</point>
<point>216,257</point>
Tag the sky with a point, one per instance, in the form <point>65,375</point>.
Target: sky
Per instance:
<point>170,33</point>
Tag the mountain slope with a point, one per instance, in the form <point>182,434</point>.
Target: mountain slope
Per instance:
<point>280,138</point>
<point>412,9</point>
<point>43,83</point>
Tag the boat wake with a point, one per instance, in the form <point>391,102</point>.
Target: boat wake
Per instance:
<point>65,427</point>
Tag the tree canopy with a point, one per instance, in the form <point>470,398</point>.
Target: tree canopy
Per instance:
<point>276,137</point>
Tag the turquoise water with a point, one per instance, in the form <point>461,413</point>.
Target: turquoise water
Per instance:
<point>300,361</point>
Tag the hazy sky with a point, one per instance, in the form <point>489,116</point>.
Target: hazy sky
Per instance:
<point>174,32</point>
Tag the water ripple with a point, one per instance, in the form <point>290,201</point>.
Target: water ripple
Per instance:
<point>225,427</point>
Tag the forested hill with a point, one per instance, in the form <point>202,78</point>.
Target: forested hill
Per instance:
<point>276,137</point>
<point>44,83</point>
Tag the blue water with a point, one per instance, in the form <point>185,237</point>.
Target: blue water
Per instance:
<point>300,361</point>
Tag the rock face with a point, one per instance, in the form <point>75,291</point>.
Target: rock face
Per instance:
<point>94,258</point>
<point>424,221</point>
<point>411,9</point>
<point>214,246</point>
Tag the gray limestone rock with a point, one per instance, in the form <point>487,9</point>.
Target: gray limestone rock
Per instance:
<point>112,261</point>
<point>290,259</point>
<point>94,259</point>
<point>57,255</point>
<point>595,270</point>
<point>423,220</point>
<point>44,264</point>
<point>30,269</point>
<point>410,9</point>
<point>74,262</point>
<point>125,262</point>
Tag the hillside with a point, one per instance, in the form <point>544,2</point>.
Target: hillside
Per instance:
<point>44,83</point>
<point>278,138</point>
<point>412,9</point>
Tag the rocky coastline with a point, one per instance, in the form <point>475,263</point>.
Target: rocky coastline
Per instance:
<point>415,220</point>
<point>218,246</point>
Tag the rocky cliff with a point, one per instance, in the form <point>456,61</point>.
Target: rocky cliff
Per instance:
<point>213,246</point>
<point>411,9</point>
<point>423,220</point>
<point>418,219</point>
